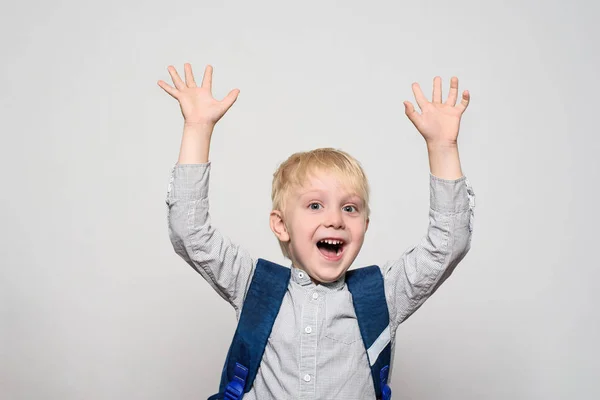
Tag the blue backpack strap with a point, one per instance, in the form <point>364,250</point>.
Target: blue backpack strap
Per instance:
<point>370,306</point>
<point>261,306</point>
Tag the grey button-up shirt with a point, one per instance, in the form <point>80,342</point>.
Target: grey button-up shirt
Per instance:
<point>315,350</point>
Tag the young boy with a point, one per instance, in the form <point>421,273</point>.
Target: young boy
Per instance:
<point>320,217</point>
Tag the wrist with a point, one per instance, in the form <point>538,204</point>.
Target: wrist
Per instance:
<point>442,145</point>
<point>198,128</point>
<point>444,161</point>
<point>195,143</point>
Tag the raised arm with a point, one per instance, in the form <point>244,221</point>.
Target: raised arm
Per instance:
<point>421,269</point>
<point>227,267</point>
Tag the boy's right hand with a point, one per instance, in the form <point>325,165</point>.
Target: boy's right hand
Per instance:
<point>198,106</point>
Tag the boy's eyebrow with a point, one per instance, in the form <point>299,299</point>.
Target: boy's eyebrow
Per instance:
<point>310,191</point>
<point>354,197</point>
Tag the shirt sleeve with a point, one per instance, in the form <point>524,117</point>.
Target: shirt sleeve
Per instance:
<point>421,269</point>
<point>227,267</point>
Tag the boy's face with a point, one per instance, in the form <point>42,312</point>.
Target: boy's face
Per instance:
<point>323,209</point>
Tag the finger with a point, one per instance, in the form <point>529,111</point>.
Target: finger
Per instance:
<point>437,90</point>
<point>230,99</point>
<point>168,88</point>
<point>411,113</point>
<point>419,96</point>
<point>179,84</point>
<point>189,76</point>
<point>453,93</point>
<point>464,103</point>
<point>207,78</point>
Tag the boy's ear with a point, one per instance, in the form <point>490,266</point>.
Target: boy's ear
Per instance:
<point>278,226</point>
<point>367,224</point>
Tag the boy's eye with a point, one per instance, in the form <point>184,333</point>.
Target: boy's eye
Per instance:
<point>314,206</point>
<point>350,209</point>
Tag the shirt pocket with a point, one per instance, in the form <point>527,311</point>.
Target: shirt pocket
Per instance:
<point>341,324</point>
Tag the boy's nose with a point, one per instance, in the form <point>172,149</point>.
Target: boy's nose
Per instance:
<point>334,219</point>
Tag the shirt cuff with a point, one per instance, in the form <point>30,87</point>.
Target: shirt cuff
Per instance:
<point>189,181</point>
<point>450,196</point>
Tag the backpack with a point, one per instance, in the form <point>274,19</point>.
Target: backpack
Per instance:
<point>261,306</point>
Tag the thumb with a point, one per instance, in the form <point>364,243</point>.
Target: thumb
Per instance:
<point>413,115</point>
<point>230,99</point>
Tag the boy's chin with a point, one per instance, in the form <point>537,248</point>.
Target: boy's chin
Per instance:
<point>328,275</point>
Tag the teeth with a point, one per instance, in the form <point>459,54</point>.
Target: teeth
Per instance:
<point>328,241</point>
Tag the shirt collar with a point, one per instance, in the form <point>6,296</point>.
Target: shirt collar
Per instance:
<point>302,278</point>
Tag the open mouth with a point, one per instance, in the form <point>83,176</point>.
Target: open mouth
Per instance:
<point>331,249</point>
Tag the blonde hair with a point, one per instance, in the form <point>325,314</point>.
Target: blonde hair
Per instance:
<point>294,171</point>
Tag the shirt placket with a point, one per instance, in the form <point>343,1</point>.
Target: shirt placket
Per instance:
<point>308,345</point>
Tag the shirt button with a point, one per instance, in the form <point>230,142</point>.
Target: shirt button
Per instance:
<point>315,296</point>
<point>307,378</point>
<point>300,275</point>
<point>308,329</point>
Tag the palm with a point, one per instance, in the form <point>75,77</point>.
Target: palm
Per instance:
<point>438,122</point>
<point>197,104</point>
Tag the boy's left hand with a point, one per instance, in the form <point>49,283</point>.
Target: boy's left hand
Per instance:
<point>438,122</point>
